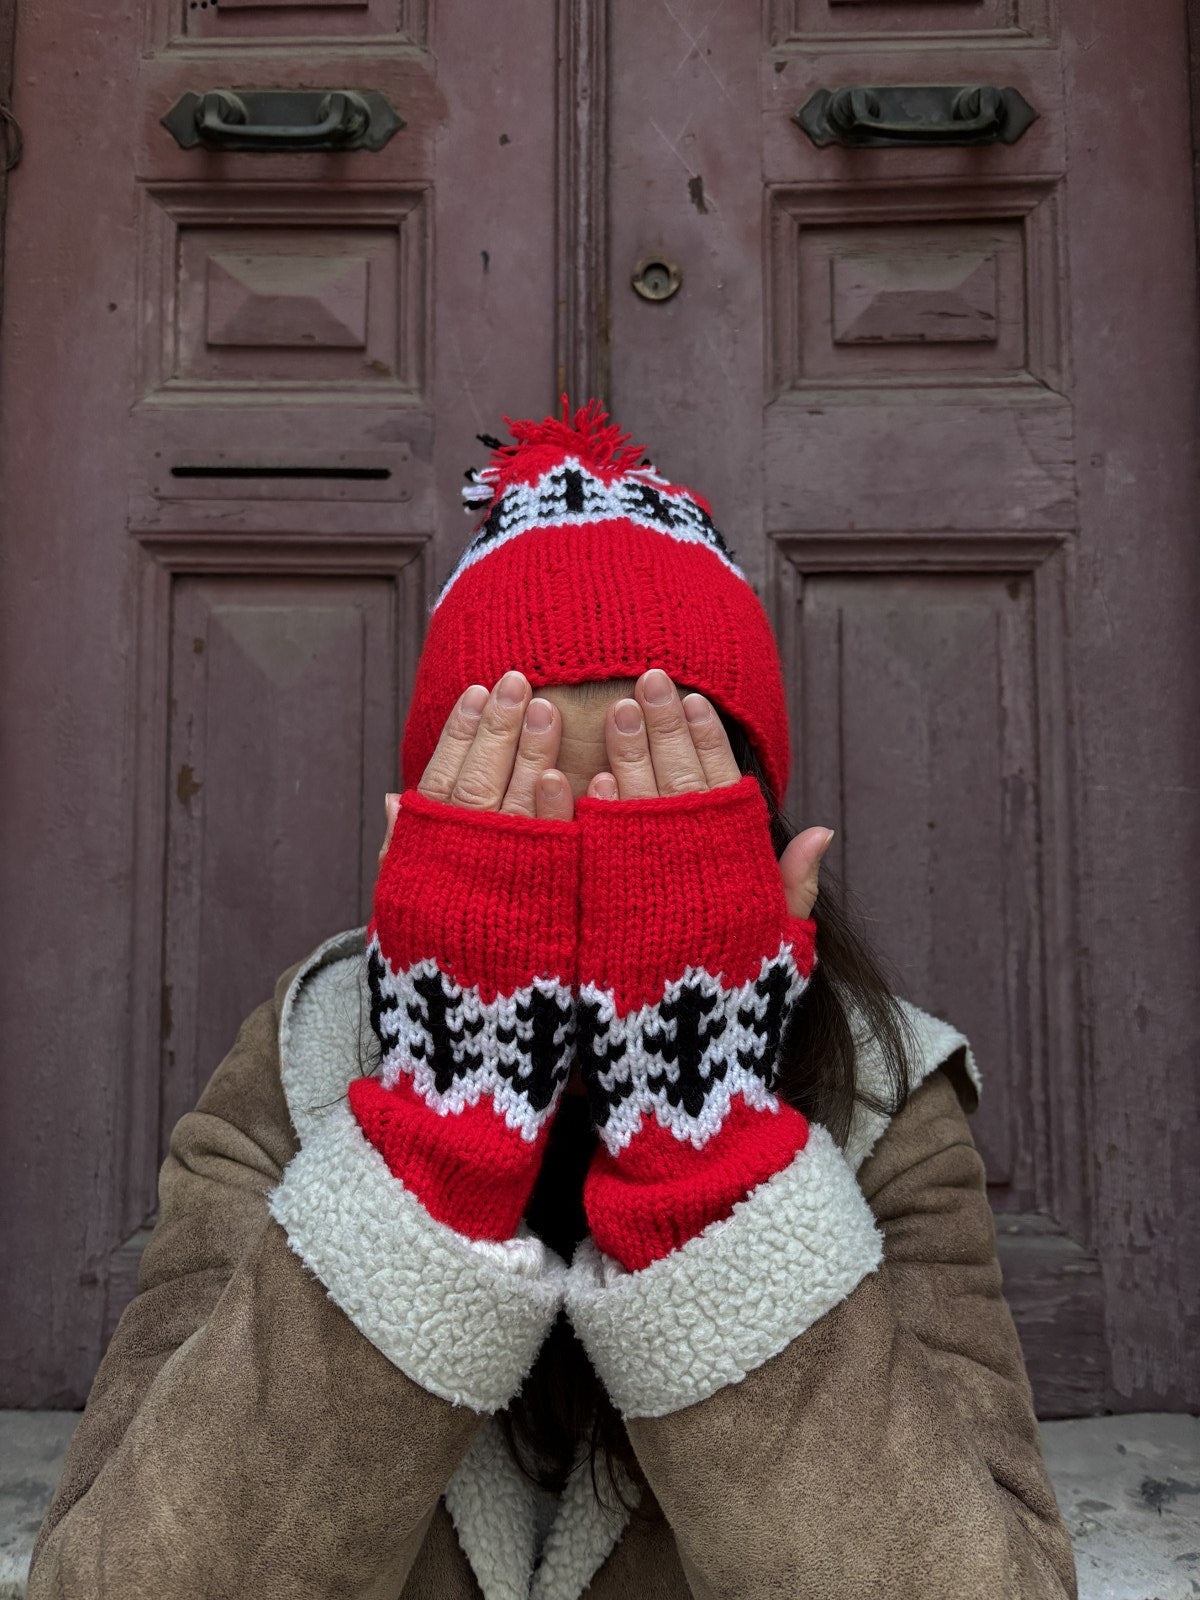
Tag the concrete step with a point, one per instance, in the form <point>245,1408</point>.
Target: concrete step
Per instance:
<point>1128,1486</point>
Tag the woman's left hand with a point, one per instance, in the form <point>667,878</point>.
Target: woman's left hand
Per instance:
<point>659,744</point>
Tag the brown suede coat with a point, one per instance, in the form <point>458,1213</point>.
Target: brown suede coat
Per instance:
<point>258,1430</point>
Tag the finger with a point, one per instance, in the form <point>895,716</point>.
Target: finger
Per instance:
<point>391,806</point>
<point>710,742</point>
<point>800,865</point>
<point>441,774</point>
<point>677,768</point>
<point>603,787</point>
<point>554,797</point>
<point>629,750</point>
<point>537,750</point>
<point>483,777</point>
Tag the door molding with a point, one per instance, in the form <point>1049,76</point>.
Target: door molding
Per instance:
<point>582,332</point>
<point>8,35</point>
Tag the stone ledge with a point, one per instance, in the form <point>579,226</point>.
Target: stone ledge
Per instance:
<point>1129,1488</point>
<point>33,1445</point>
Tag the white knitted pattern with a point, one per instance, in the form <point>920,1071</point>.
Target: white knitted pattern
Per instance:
<point>486,1064</point>
<point>631,498</point>
<point>721,1070</point>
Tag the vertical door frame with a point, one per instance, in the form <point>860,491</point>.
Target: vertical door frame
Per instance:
<point>582,333</point>
<point>8,36</point>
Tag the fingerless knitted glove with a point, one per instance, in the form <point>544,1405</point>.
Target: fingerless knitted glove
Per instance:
<point>471,952</point>
<point>689,966</point>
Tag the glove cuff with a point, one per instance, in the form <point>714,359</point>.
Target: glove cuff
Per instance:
<point>677,881</point>
<point>468,1169</point>
<point>660,1191</point>
<point>494,898</point>
<point>689,966</point>
<point>471,962</point>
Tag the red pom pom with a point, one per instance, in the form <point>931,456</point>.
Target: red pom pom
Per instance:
<point>593,441</point>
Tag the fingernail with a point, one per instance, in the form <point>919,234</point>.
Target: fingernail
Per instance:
<point>551,785</point>
<point>828,841</point>
<point>510,691</point>
<point>696,708</point>
<point>474,700</point>
<point>539,716</point>
<point>656,686</point>
<point>628,716</point>
<point>606,787</point>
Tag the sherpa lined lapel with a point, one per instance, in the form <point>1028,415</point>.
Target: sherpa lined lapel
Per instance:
<point>934,1042</point>
<point>491,1503</point>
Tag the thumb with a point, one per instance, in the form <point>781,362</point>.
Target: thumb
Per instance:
<point>800,865</point>
<point>391,804</point>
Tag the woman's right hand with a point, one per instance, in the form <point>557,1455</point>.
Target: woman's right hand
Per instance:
<point>496,753</point>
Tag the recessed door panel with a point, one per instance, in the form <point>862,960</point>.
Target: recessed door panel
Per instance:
<point>282,720</point>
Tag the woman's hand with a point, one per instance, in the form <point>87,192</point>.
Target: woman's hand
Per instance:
<point>496,753</point>
<point>497,750</point>
<point>658,744</point>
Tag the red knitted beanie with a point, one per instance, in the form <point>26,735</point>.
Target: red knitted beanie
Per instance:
<point>588,564</point>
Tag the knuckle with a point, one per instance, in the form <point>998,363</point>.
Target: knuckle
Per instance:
<point>630,755</point>
<point>678,783</point>
<point>668,721</point>
<point>530,764</point>
<point>708,734</point>
<point>499,721</point>
<point>458,728</point>
<point>437,782</point>
<point>475,793</point>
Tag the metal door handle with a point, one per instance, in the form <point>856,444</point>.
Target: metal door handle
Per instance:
<point>921,114</point>
<point>283,119</point>
<point>221,118</point>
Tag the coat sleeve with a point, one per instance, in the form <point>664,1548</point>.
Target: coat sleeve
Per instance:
<point>826,1392</point>
<point>252,1428</point>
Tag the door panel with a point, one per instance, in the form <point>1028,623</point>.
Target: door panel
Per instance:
<point>283,695</point>
<point>870,369</point>
<point>916,695</point>
<point>240,391</point>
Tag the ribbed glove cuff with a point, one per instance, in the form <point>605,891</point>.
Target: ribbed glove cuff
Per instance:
<point>689,966</point>
<point>494,898</point>
<point>466,1168</point>
<point>471,959</point>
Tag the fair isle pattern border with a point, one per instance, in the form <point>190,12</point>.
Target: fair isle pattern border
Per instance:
<point>569,495</point>
<point>685,1057</point>
<point>457,1049</point>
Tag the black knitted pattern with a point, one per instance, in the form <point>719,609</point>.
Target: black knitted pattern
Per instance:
<point>573,492</point>
<point>694,1011</point>
<point>456,1046</point>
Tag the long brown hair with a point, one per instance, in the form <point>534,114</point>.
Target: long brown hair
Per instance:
<point>562,1403</point>
<point>851,993</point>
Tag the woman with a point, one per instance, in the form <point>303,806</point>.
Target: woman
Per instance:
<point>595,1222</point>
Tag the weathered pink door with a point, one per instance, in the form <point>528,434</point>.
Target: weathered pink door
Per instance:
<point>240,390</point>
<point>945,416</point>
<point>943,399</point>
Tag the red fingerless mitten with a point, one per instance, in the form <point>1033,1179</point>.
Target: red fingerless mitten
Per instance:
<point>471,953</point>
<point>689,965</point>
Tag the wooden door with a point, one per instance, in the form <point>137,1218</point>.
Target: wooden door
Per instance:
<point>239,393</point>
<point>943,401</point>
<point>944,414</point>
